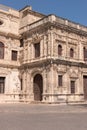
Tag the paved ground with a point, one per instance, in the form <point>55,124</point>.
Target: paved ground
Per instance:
<point>43,117</point>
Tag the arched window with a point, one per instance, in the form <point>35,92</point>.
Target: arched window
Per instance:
<point>85,54</point>
<point>1,50</point>
<point>71,53</point>
<point>59,50</point>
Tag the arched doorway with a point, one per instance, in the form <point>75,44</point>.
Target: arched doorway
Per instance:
<point>38,87</point>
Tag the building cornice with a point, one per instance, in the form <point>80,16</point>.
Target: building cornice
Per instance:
<point>52,20</point>
<point>50,61</point>
<point>9,35</point>
<point>9,11</point>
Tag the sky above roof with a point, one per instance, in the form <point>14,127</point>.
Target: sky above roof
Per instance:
<point>74,10</point>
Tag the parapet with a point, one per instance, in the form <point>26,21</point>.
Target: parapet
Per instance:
<point>8,10</point>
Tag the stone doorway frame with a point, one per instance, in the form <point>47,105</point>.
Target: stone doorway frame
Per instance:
<point>38,87</point>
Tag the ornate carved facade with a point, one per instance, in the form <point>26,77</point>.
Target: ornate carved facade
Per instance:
<point>42,58</point>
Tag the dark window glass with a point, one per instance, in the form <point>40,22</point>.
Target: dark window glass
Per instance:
<point>37,50</point>
<point>14,55</point>
<point>2,84</point>
<point>59,80</point>
<point>21,84</point>
<point>72,87</point>
<point>71,53</point>
<point>1,50</point>
<point>85,54</point>
<point>21,42</point>
<point>59,50</point>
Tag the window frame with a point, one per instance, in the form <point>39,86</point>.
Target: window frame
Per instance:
<point>21,42</point>
<point>59,50</point>
<point>60,80</point>
<point>85,54</point>
<point>72,87</point>
<point>2,82</point>
<point>71,53</point>
<point>14,55</point>
<point>2,50</point>
<point>21,81</point>
<point>37,50</point>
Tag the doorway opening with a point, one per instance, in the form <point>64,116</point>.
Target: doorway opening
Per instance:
<point>38,87</point>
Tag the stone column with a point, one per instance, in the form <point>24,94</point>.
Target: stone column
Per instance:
<point>51,84</point>
<point>45,46</point>
<point>55,44</point>
<point>28,52</point>
<point>24,82</point>
<point>28,85</point>
<point>80,51</point>
<point>81,86</point>
<point>44,82</point>
<point>41,48</point>
<point>67,50</point>
<point>49,45</point>
<point>31,89</point>
<point>32,51</point>
<point>52,44</point>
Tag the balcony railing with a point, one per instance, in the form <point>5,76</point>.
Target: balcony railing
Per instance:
<point>71,24</point>
<point>52,19</point>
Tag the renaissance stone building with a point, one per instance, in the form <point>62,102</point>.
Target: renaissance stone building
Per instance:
<point>42,57</point>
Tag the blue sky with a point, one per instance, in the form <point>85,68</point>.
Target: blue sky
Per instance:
<point>75,10</point>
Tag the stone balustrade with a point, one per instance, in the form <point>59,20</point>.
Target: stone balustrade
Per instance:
<point>52,19</point>
<point>71,24</point>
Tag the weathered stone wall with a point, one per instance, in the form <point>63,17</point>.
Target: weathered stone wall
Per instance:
<point>50,32</point>
<point>10,22</point>
<point>28,16</point>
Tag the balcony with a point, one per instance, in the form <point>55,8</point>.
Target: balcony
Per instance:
<point>71,24</point>
<point>40,22</point>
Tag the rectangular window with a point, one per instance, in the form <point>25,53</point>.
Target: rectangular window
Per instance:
<point>72,87</point>
<point>21,42</point>
<point>1,50</point>
<point>85,54</point>
<point>14,55</point>
<point>2,85</point>
<point>37,50</point>
<point>21,84</point>
<point>1,53</point>
<point>59,80</point>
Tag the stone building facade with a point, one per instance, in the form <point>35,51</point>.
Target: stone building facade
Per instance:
<point>42,58</point>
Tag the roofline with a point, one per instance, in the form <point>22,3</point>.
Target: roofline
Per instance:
<point>67,24</point>
<point>43,15</point>
<point>76,23</point>
<point>30,9</point>
<point>7,7</point>
<point>24,8</point>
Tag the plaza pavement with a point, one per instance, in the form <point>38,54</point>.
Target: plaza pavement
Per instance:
<point>43,117</point>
